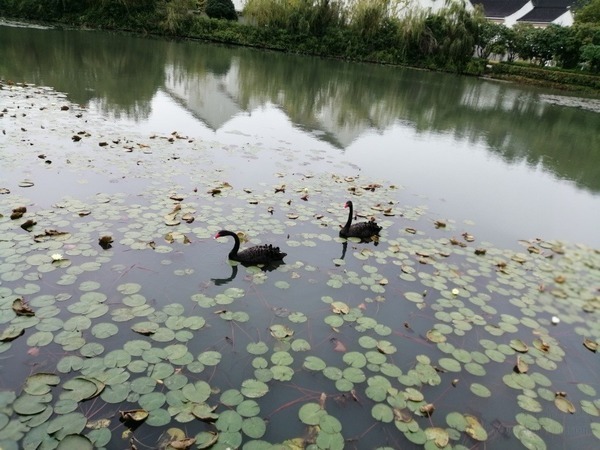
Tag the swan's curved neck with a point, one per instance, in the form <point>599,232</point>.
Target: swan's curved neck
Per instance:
<point>236,244</point>
<point>349,222</point>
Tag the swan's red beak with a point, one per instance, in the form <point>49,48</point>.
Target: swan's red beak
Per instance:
<point>216,236</point>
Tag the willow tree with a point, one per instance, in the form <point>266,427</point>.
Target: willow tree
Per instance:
<point>455,30</point>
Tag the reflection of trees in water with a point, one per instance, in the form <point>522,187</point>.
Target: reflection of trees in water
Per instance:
<point>342,100</point>
<point>120,71</point>
<point>512,121</point>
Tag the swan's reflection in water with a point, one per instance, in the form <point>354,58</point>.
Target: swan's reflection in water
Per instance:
<point>234,270</point>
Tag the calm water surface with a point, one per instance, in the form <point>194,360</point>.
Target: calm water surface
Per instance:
<point>505,157</point>
<point>504,162</point>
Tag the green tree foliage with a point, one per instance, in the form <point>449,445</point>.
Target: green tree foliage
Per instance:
<point>220,9</point>
<point>590,54</point>
<point>489,38</point>
<point>589,13</point>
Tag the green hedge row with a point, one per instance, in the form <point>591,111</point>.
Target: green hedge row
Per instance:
<point>549,76</point>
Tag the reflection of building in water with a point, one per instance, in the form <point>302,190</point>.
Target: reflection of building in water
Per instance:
<point>204,94</point>
<point>216,99</point>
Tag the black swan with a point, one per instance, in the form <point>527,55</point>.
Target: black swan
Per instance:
<point>260,254</point>
<point>363,230</point>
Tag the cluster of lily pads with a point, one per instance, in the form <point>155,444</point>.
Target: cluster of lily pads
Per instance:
<point>425,337</point>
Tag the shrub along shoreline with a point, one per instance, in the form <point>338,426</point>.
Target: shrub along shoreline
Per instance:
<point>452,39</point>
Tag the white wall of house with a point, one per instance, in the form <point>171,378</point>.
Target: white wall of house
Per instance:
<point>566,20</point>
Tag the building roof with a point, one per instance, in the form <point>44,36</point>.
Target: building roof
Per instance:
<point>547,11</point>
<point>500,8</point>
<point>543,15</point>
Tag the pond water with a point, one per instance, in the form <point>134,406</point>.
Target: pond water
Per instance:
<point>471,322</point>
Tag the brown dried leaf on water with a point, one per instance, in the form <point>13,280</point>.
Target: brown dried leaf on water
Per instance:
<point>176,197</point>
<point>590,345</point>
<point>292,216</point>
<point>521,366</point>
<point>49,234</point>
<point>427,410</point>
<point>270,210</point>
<point>455,382</point>
<point>371,187</point>
<point>280,188</point>
<point>541,345</point>
<point>76,138</point>
<point>11,333</point>
<point>17,213</point>
<point>105,242</point>
<point>480,251</point>
<point>439,436</point>
<point>214,191</point>
<point>322,399</point>
<point>182,444</point>
<point>475,429</point>
<point>455,241</point>
<point>468,237</point>
<point>338,346</point>
<point>403,415</point>
<point>304,197</point>
<point>21,308</point>
<point>97,424</point>
<point>560,279</point>
<point>84,213</point>
<point>563,403</point>
<point>388,212</point>
<point>410,230</point>
<point>28,225</point>
<point>133,415</point>
<point>439,224</point>
<point>188,218</point>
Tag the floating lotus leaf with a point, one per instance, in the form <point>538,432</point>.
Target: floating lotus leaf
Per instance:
<point>474,428</point>
<point>254,427</point>
<point>248,408</point>
<point>300,345</point>
<point>254,388</point>
<point>480,390</point>
<point>75,442</point>
<point>382,412</point>
<point>435,336</point>
<point>206,439</point>
<point>40,383</point>
<point>587,389</point>
<point>311,413</point>
<point>355,359</point>
<point>528,438</point>
<point>280,331</point>
<point>82,388</point>
<point>438,435</point>
<point>314,363</point>
<point>203,411</point>
<point>27,404</point>
<point>229,421</point>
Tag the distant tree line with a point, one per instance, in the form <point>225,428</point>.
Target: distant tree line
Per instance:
<point>384,31</point>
